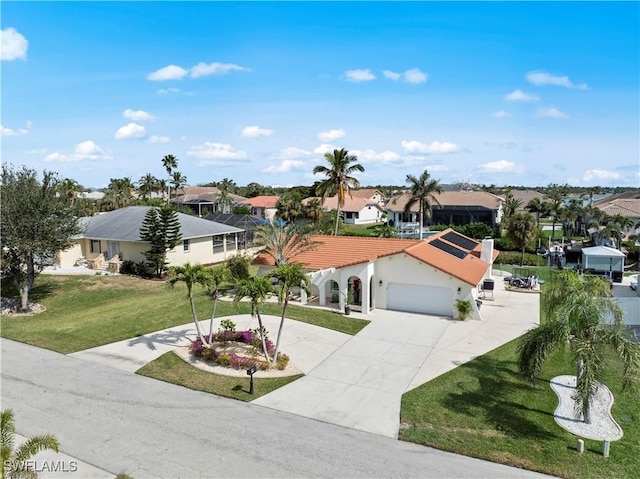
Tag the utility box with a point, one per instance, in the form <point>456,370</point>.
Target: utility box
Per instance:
<point>487,286</point>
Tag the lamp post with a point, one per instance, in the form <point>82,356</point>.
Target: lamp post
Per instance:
<point>250,372</point>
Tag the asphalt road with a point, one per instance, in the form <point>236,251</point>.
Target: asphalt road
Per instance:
<point>121,422</point>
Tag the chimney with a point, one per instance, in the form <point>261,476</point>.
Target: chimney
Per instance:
<point>486,255</point>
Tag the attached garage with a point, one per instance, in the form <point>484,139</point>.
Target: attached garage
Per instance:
<point>414,298</point>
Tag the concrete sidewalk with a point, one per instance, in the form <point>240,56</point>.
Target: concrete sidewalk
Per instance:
<point>356,381</point>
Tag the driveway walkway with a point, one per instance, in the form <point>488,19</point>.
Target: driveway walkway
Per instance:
<point>357,381</point>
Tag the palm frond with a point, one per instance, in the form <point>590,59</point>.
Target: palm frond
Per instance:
<point>34,445</point>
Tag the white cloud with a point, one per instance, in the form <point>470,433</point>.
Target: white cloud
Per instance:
<point>285,166</point>
<point>501,114</point>
<point>415,76</point>
<point>600,175</point>
<point>256,132</point>
<point>138,115</point>
<point>359,75</point>
<point>551,113</point>
<point>131,131</point>
<point>325,148</point>
<point>501,166</point>
<point>159,139</point>
<point>372,156</point>
<point>327,136</point>
<point>13,45</point>
<point>291,152</point>
<point>56,156</point>
<point>544,78</point>
<point>12,132</point>
<point>434,147</point>
<point>88,150</point>
<point>166,91</point>
<point>213,153</point>
<point>205,69</point>
<point>171,72</point>
<point>519,95</point>
<point>391,75</point>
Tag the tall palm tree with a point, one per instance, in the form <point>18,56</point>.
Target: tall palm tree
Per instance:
<point>422,190</point>
<point>225,200</point>
<point>147,185</point>
<point>227,184</point>
<point>313,209</point>
<point>178,181</point>
<point>169,162</point>
<point>575,308</point>
<point>217,276</point>
<point>289,207</point>
<point>191,276</point>
<point>256,289</point>
<point>556,194</point>
<point>288,276</point>
<point>511,205</point>
<point>520,231</point>
<point>70,188</point>
<point>281,242</point>
<point>339,180</point>
<point>120,192</point>
<point>15,461</point>
<point>539,208</point>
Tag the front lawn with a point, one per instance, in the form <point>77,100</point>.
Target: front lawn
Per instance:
<point>87,311</point>
<point>172,369</point>
<point>485,409</point>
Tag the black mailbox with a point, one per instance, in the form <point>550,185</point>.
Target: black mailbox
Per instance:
<point>251,370</point>
<point>487,285</point>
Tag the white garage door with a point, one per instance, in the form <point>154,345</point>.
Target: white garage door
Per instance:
<point>415,298</point>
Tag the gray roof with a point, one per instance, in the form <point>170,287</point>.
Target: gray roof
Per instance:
<point>124,225</point>
<point>602,251</point>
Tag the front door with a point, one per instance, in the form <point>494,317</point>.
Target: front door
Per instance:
<point>113,248</point>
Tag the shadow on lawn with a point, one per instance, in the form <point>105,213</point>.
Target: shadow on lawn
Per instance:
<point>502,397</point>
<point>172,338</point>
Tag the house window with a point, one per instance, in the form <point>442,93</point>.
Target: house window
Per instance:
<point>218,244</point>
<point>95,246</point>
<point>231,242</point>
<point>185,245</point>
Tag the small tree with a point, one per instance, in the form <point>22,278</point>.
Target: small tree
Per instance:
<point>520,230</point>
<point>161,228</point>
<point>238,266</point>
<point>15,461</point>
<point>191,276</point>
<point>217,276</point>
<point>283,242</point>
<point>288,276</point>
<point>36,223</point>
<point>256,289</point>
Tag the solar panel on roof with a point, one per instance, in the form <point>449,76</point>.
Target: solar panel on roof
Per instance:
<point>447,248</point>
<point>455,238</point>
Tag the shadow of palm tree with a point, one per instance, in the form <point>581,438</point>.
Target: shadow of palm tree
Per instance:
<point>496,398</point>
<point>171,338</point>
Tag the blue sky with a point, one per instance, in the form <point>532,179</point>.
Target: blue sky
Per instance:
<point>484,92</point>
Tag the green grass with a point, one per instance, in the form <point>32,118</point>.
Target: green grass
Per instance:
<point>360,230</point>
<point>172,369</point>
<point>485,409</point>
<point>89,311</point>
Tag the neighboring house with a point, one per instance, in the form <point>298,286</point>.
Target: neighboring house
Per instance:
<point>364,206</point>
<point>115,236</point>
<point>455,208</point>
<point>262,206</point>
<point>397,274</point>
<point>525,196</point>
<point>207,199</point>
<point>626,207</point>
<point>247,223</point>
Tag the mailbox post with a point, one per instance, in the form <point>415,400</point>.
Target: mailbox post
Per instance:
<point>250,372</point>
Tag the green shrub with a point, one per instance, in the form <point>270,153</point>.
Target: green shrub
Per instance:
<point>513,257</point>
<point>239,266</point>
<point>464,309</point>
<point>223,360</point>
<point>128,267</point>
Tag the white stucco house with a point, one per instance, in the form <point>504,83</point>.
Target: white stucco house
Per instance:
<point>113,237</point>
<point>264,207</point>
<point>363,206</point>
<point>421,276</point>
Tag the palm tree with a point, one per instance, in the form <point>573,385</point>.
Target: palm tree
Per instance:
<point>146,185</point>
<point>256,289</point>
<point>227,184</point>
<point>282,243</point>
<point>120,192</point>
<point>288,276</point>
<point>339,180</point>
<point>169,162</point>
<point>191,276</point>
<point>313,209</point>
<point>556,194</point>
<point>217,276</point>
<point>178,181</point>
<point>511,205</point>
<point>520,231</point>
<point>575,308</point>
<point>225,200</point>
<point>70,188</point>
<point>421,191</point>
<point>15,461</point>
<point>289,207</point>
<point>539,208</point>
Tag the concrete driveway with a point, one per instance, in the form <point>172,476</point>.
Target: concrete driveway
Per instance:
<point>357,381</point>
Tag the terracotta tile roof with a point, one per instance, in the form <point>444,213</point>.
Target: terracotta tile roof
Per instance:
<point>262,201</point>
<point>450,198</point>
<point>342,251</point>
